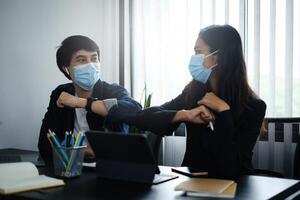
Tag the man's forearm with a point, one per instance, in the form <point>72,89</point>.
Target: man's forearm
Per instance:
<point>180,116</point>
<point>97,107</point>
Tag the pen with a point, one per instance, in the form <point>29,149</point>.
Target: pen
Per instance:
<point>211,126</point>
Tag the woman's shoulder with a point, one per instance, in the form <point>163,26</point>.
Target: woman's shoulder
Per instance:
<point>194,91</point>
<point>194,86</point>
<point>257,102</point>
<point>257,105</point>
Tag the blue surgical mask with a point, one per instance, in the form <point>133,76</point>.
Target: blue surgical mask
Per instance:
<point>198,71</point>
<point>86,76</point>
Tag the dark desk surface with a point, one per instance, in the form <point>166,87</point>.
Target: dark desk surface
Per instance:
<point>87,186</point>
<point>19,155</point>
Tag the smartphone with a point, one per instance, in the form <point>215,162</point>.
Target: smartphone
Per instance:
<point>189,171</point>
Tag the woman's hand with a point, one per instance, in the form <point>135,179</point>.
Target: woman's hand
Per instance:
<point>206,114</point>
<point>66,99</point>
<point>213,102</point>
<point>199,115</point>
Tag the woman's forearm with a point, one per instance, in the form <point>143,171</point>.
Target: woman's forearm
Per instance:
<point>99,108</point>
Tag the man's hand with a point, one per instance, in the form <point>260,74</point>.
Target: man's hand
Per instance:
<point>89,152</point>
<point>213,102</point>
<point>66,99</point>
<point>200,115</point>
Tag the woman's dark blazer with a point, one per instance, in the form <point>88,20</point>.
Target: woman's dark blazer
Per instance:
<point>225,152</point>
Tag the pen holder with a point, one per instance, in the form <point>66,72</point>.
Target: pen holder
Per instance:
<point>67,161</point>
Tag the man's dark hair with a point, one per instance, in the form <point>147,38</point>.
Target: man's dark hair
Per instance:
<point>70,46</point>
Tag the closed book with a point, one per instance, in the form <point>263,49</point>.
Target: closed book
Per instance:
<point>228,193</point>
<point>24,176</point>
<point>208,187</point>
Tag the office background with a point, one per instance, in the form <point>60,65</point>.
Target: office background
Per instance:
<point>30,32</point>
<point>147,41</point>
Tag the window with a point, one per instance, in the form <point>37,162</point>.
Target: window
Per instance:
<point>164,33</point>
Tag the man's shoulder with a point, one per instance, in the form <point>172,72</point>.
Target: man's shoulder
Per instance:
<point>104,90</point>
<point>114,88</point>
<point>112,85</point>
<point>67,87</point>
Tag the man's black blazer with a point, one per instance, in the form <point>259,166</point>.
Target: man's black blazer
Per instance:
<point>61,120</point>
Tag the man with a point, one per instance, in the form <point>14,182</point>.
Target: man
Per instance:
<point>87,103</point>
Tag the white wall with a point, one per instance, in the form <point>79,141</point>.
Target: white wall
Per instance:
<point>30,31</point>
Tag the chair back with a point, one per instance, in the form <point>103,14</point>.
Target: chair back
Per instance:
<point>275,149</point>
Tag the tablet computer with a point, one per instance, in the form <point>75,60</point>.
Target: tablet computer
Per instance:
<point>127,157</point>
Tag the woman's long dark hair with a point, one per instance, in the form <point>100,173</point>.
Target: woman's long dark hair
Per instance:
<point>231,73</point>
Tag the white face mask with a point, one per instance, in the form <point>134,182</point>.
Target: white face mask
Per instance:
<point>198,71</point>
<point>86,75</point>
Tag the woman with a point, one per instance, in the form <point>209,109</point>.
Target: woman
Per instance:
<point>222,114</point>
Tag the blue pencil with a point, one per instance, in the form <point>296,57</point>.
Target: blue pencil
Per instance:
<point>57,144</point>
<point>66,139</point>
<point>55,150</point>
<point>72,140</point>
<point>73,158</point>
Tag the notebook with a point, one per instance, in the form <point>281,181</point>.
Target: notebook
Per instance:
<point>24,176</point>
<point>208,187</point>
<point>126,157</point>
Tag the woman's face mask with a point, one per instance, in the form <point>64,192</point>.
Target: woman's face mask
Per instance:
<point>86,75</point>
<point>198,71</point>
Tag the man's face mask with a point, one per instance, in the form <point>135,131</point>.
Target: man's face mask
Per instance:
<point>198,71</point>
<point>86,75</point>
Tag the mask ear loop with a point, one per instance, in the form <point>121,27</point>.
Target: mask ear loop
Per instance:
<point>216,51</point>
<point>212,67</point>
